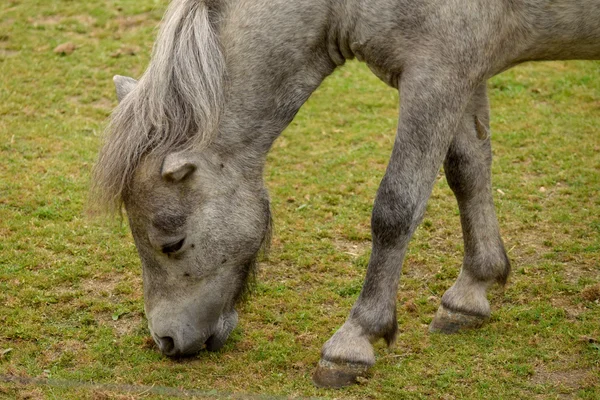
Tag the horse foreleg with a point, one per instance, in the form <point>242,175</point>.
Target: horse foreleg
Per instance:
<point>431,109</point>
<point>467,168</point>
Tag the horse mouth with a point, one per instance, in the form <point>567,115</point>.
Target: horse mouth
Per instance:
<point>211,344</point>
<point>214,342</point>
<point>167,346</point>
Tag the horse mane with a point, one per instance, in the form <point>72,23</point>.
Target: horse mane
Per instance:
<point>175,105</point>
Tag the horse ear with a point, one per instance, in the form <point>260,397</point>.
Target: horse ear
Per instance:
<point>124,85</point>
<point>177,166</point>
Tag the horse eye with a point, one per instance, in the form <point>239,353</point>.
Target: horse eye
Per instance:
<point>172,247</point>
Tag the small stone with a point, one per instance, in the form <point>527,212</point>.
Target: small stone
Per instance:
<point>65,49</point>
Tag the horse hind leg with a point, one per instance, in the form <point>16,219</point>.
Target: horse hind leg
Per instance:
<point>467,167</point>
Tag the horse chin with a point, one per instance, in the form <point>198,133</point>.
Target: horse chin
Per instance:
<point>226,324</point>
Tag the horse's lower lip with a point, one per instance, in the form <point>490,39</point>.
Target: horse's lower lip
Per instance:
<point>210,344</point>
<point>188,353</point>
<point>227,323</point>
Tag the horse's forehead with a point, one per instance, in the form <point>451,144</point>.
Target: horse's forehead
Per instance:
<point>148,168</point>
<point>147,187</point>
<point>147,174</point>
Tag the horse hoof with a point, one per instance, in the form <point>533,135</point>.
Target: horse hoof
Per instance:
<point>334,376</point>
<point>448,321</point>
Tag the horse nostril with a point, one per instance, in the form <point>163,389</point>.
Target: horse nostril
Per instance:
<point>166,344</point>
<point>172,247</point>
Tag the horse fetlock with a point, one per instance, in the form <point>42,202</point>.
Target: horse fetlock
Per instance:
<point>349,345</point>
<point>376,322</point>
<point>387,331</point>
<point>489,265</point>
<point>468,296</point>
<point>464,306</point>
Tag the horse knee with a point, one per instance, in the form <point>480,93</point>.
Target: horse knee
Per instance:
<point>467,169</point>
<point>393,219</point>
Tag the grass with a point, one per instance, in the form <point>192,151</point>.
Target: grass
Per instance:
<point>71,307</point>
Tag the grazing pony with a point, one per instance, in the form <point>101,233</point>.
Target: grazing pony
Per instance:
<point>186,147</point>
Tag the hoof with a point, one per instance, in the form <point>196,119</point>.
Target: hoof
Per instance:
<point>448,321</point>
<point>335,376</point>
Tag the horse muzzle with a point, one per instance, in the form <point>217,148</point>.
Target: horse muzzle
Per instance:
<point>189,341</point>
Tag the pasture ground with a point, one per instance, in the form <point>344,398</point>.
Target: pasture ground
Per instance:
<point>71,310</point>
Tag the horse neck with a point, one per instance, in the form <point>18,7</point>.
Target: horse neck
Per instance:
<point>278,52</point>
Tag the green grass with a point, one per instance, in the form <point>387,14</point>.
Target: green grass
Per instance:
<point>71,306</point>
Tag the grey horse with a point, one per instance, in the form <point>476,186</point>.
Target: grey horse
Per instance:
<point>186,147</point>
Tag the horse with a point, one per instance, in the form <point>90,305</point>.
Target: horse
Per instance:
<point>185,148</point>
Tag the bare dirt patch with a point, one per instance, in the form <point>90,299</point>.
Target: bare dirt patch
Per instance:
<point>571,309</point>
<point>100,285</point>
<point>126,51</point>
<point>65,48</point>
<point>102,103</point>
<point>126,325</point>
<point>48,20</point>
<point>4,53</point>
<point>53,20</point>
<point>123,324</point>
<point>591,293</point>
<point>31,394</point>
<point>567,381</point>
<point>126,23</point>
<point>355,249</point>
<point>85,19</point>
